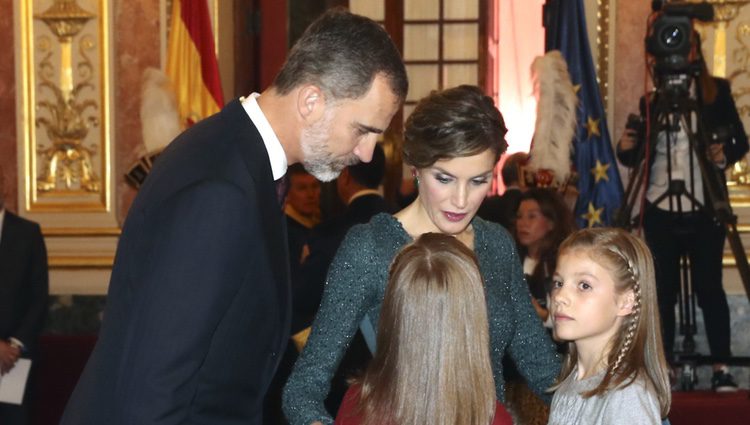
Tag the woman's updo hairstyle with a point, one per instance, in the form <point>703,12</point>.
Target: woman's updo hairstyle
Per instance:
<point>456,122</point>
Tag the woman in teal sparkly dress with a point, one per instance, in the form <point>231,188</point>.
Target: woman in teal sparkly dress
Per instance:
<point>452,141</point>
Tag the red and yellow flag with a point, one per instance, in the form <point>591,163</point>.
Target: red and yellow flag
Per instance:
<point>191,62</point>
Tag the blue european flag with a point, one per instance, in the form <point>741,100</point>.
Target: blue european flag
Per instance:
<point>599,185</point>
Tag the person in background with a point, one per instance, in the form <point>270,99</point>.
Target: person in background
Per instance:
<point>604,303</point>
<point>302,209</point>
<point>685,223</point>
<point>358,186</point>
<point>502,208</point>
<point>198,308</point>
<point>543,221</point>
<point>433,339</point>
<point>24,298</point>
<point>452,141</point>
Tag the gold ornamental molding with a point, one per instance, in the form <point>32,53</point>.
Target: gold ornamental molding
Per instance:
<point>66,262</point>
<point>81,232</point>
<point>602,45</point>
<point>65,105</point>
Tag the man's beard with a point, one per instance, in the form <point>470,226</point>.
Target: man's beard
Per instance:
<point>317,159</point>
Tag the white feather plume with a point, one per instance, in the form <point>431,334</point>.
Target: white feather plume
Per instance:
<point>159,117</point>
<point>555,116</point>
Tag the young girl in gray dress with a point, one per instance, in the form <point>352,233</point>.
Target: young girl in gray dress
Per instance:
<point>604,303</point>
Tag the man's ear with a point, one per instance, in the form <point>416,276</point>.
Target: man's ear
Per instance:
<point>310,103</point>
<point>626,303</point>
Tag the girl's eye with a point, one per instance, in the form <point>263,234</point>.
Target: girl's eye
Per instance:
<point>556,284</point>
<point>479,182</point>
<point>584,286</point>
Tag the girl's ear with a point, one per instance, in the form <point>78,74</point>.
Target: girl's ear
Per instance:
<point>626,303</point>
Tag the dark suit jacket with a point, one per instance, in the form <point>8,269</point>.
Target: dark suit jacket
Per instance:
<point>24,282</point>
<point>197,312</point>
<point>501,209</point>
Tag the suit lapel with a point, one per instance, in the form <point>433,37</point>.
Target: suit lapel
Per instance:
<point>255,156</point>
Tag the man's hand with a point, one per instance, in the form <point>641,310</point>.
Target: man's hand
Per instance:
<point>9,355</point>
<point>716,153</point>
<point>627,141</point>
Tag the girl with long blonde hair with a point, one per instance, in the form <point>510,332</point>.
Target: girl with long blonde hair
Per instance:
<point>604,303</point>
<point>432,365</point>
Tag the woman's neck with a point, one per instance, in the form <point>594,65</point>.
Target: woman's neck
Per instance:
<point>415,221</point>
<point>532,251</point>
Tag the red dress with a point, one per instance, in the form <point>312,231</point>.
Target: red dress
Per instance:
<point>346,414</point>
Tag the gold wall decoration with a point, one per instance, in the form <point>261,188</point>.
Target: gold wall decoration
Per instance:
<point>64,109</point>
<point>64,56</point>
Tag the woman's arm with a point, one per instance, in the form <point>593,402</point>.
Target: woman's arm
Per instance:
<point>531,348</point>
<point>346,298</point>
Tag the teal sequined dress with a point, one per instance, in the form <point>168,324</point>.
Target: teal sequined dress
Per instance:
<point>356,286</point>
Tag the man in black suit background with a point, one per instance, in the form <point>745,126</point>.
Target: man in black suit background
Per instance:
<point>302,209</point>
<point>198,306</point>
<point>502,209</point>
<point>24,291</point>
<point>358,187</point>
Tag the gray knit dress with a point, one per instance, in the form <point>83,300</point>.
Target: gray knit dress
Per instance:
<point>356,286</point>
<point>633,404</point>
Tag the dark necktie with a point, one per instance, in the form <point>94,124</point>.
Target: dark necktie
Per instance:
<point>281,189</point>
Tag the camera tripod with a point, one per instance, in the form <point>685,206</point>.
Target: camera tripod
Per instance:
<point>674,109</point>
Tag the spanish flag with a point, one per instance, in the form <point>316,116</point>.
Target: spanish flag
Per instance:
<point>191,62</point>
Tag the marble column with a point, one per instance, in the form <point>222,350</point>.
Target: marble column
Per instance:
<point>8,151</point>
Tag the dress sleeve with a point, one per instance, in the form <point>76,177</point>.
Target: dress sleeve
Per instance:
<point>347,296</point>
<point>531,347</point>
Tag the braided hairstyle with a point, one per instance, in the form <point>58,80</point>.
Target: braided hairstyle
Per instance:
<point>636,351</point>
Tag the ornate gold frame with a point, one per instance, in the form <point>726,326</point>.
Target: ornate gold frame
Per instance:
<point>43,103</point>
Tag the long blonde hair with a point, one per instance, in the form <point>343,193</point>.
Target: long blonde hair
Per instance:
<point>637,349</point>
<point>432,365</point>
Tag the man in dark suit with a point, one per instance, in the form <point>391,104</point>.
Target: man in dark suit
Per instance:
<point>302,209</point>
<point>24,289</point>
<point>502,209</point>
<point>198,306</point>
